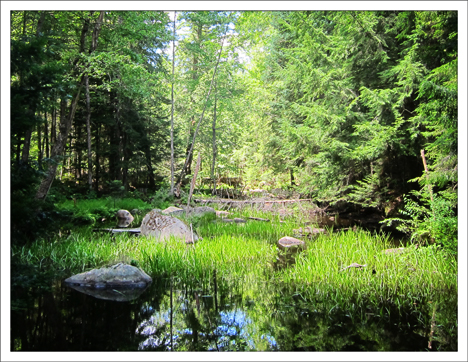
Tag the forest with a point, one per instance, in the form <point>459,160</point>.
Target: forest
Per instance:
<point>356,111</point>
<point>355,108</point>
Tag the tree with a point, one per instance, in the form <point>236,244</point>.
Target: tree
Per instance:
<point>172,104</point>
<point>66,123</point>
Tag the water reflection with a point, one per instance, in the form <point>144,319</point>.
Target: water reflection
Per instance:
<point>122,294</point>
<point>225,315</point>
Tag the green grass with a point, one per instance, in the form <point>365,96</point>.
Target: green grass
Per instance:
<point>99,212</point>
<point>419,272</point>
<point>107,204</point>
<point>241,250</point>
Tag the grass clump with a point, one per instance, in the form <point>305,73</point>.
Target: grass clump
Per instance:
<point>417,272</point>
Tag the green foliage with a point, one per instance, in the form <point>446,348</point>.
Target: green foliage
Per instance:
<point>236,251</point>
<point>368,193</point>
<point>355,96</point>
<point>443,226</point>
<point>98,212</point>
<point>386,276</point>
<point>162,199</point>
<point>29,218</point>
<point>436,223</point>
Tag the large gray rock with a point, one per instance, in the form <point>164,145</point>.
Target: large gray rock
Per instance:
<point>120,283</point>
<point>119,275</point>
<point>162,227</point>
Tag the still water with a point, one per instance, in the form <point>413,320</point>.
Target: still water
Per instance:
<point>223,315</point>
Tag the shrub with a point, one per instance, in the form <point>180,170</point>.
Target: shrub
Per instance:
<point>436,222</point>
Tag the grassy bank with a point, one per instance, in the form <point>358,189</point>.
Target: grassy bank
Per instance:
<point>236,250</point>
<point>415,273</point>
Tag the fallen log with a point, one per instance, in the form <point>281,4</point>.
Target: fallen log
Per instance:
<point>354,265</point>
<point>258,219</point>
<point>136,231</point>
<point>238,202</point>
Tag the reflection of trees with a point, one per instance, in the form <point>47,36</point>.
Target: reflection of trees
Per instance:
<point>200,325</point>
<point>226,315</point>
<point>321,325</point>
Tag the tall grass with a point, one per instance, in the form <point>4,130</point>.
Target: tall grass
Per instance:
<point>423,272</point>
<point>240,250</point>
<point>227,254</point>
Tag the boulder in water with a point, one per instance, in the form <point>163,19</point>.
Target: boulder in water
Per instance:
<point>117,295</point>
<point>120,282</point>
<point>119,275</point>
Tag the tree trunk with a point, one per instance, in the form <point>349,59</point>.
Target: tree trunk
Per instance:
<point>32,111</point>
<point>194,179</point>
<point>429,187</point>
<point>39,145</point>
<point>46,138</point>
<point>126,157</point>
<point>18,150</point>
<point>189,156</point>
<point>26,145</point>
<point>172,107</point>
<point>66,122</point>
<point>114,154</point>
<point>78,151</point>
<point>149,166</point>
<point>97,164</point>
<point>65,125</point>
<point>215,150</point>
<point>88,132</point>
